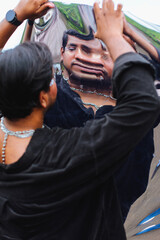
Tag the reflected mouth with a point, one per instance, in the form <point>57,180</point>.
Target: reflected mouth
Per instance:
<point>88,69</point>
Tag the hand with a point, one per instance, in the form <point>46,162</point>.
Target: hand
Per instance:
<point>32,9</point>
<point>109,21</point>
<point>126,28</point>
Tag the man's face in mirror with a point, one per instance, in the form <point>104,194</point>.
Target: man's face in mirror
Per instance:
<point>86,59</point>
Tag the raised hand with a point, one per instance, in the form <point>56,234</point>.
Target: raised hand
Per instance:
<point>32,9</point>
<point>110,28</point>
<point>109,21</point>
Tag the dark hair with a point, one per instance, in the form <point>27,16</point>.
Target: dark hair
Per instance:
<point>74,33</point>
<point>24,72</point>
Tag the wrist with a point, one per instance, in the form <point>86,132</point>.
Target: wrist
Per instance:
<point>117,46</point>
<point>108,39</point>
<point>11,17</point>
<point>19,15</point>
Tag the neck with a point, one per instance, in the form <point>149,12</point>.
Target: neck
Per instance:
<point>33,121</point>
<point>94,84</point>
<point>92,97</point>
<point>86,88</point>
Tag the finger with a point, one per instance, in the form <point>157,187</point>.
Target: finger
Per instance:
<point>119,8</point>
<point>105,5</point>
<point>45,7</point>
<point>50,5</point>
<point>110,5</point>
<point>96,9</point>
<point>41,2</point>
<point>95,35</point>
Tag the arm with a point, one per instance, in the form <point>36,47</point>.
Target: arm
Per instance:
<point>93,153</point>
<point>142,42</point>
<point>26,9</point>
<point>110,28</point>
<point>115,136</point>
<point>28,32</point>
<point>147,46</point>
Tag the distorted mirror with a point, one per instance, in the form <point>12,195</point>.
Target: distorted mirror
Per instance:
<point>79,16</point>
<point>84,61</point>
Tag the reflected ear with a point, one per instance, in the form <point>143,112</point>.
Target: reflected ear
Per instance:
<point>43,99</point>
<point>62,52</point>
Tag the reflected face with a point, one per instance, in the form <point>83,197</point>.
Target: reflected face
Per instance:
<point>86,59</point>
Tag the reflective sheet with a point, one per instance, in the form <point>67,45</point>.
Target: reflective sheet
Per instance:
<point>69,15</point>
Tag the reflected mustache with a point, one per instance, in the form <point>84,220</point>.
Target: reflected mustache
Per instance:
<point>93,66</point>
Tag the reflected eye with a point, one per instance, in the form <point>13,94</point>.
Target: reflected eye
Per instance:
<point>70,48</point>
<point>86,51</point>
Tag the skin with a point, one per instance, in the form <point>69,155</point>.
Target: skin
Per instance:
<point>113,21</point>
<point>81,64</point>
<point>142,42</point>
<point>86,62</point>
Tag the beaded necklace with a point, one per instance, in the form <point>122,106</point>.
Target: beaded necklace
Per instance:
<point>19,134</point>
<point>90,92</point>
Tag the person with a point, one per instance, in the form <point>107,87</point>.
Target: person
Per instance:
<point>58,184</point>
<point>85,84</point>
<point>87,95</point>
<point>76,104</point>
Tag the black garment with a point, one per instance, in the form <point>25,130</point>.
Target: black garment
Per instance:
<point>155,63</point>
<point>132,177</point>
<point>63,187</point>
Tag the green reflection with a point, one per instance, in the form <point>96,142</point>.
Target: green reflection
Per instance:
<point>153,36</point>
<point>72,16</point>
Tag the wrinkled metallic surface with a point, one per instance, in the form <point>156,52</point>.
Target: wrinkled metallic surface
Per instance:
<point>50,28</point>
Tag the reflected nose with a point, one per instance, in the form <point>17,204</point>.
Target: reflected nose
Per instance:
<point>79,54</point>
<point>92,59</point>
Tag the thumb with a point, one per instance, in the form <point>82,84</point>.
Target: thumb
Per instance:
<point>96,35</point>
<point>45,7</point>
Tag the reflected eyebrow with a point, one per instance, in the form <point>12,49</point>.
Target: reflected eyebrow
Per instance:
<point>72,44</point>
<point>86,48</point>
<point>91,50</point>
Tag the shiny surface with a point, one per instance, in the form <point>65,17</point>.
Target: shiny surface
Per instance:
<point>68,15</point>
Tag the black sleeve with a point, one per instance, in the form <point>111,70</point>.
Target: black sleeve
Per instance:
<point>156,64</point>
<point>158,51</point>
<point>100,147</point>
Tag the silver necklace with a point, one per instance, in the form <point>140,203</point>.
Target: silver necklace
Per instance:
<point>92,104</point>
<point>93,92</point>
<point>90,92</point>
<point>19,134</point>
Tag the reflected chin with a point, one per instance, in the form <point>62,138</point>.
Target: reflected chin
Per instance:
<point>89,80</point>
<point>85,75</point>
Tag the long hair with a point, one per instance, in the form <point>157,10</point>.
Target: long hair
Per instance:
<point>24,72</point>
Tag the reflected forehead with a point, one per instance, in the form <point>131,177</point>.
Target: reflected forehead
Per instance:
<point>94,44</point>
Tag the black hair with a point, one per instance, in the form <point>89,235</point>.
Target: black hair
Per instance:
<point>76,34</point>
<point>24,72</point>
